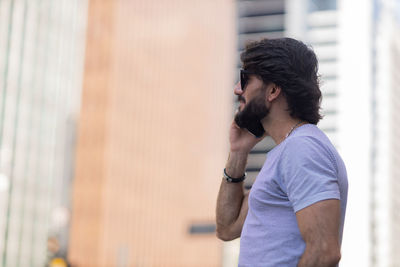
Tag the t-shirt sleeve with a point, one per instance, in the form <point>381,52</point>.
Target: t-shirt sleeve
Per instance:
<point>309,172</point>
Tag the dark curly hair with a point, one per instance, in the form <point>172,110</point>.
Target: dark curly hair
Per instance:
<point>292,66</point>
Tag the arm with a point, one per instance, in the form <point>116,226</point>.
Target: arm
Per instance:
<point>232,203</point>
<point>319,227</point>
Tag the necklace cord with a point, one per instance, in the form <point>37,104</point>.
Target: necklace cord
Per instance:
<point>294,127</point>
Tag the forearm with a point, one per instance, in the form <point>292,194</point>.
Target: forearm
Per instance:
<point>230,196</point>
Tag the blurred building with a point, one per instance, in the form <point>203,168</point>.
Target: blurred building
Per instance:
<point>153,127</point>
<point>153,133</point>
<point>385,225</point>
<point>41,62</point>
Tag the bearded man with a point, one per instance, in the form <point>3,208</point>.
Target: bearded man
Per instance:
<point>294,213</point>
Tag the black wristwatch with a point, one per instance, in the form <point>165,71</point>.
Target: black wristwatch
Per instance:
<point>234,180</point>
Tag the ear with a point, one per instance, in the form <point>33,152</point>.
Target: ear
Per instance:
<point>273,92</point>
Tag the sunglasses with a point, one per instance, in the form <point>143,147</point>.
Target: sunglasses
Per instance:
<point>244,78</point>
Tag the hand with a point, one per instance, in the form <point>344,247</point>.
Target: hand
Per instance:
<point>241,140</point>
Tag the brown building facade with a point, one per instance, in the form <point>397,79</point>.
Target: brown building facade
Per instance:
<point>153,132</point>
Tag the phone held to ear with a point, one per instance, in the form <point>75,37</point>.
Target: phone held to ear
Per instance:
<point>254,127</point>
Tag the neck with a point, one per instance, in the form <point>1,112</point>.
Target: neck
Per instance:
<point>279,127</point>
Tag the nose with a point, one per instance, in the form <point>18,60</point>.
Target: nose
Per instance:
<point>238,89</point>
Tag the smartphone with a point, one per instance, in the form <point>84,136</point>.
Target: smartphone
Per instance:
<point>254,127</point>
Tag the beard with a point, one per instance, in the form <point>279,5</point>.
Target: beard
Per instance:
<point>252,114</point>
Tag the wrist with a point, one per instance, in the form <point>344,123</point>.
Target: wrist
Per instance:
<point>239,151</point>
<point>236,155</point>
<point>236,164</point>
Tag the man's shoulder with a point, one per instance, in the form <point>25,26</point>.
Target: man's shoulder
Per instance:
<point>309,147</point>
<point>302,143</point>
<point>309,136</point>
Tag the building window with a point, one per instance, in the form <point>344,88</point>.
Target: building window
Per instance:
<point>320,5</point>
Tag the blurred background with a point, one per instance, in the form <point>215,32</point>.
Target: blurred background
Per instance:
<point>114,119</point>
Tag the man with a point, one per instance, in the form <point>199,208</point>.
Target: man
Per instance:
<point>294,212</point>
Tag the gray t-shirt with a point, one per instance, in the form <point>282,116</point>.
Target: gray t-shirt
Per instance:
<point>303,169</point>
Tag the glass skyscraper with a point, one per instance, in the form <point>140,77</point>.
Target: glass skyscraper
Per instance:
<point>41,62</point>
